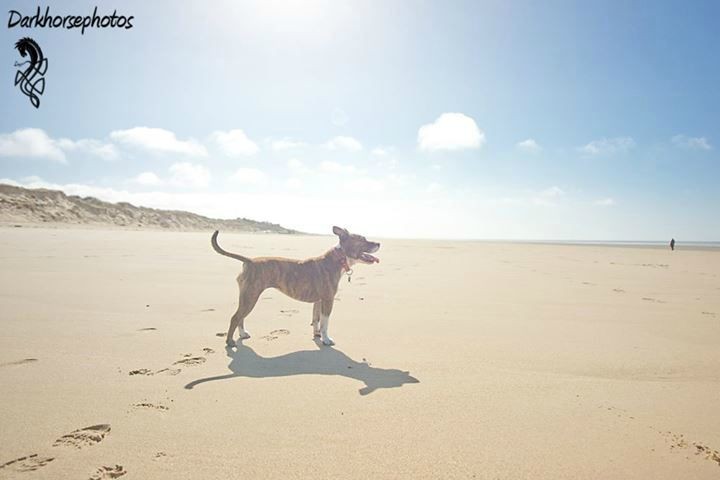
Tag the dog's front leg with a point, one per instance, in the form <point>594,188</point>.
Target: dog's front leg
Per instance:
<point>316,319</point>
<point>325,310</point>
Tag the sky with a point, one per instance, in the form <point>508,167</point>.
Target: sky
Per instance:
<point>587,120</point>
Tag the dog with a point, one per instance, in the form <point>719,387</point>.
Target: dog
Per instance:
<point>314,280</point>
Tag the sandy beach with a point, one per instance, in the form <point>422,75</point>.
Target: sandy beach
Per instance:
<point>453,360</point>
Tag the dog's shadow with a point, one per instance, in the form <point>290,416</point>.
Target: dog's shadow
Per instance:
<point>323,361</point>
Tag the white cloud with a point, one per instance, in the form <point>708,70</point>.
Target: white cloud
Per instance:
<point>434,187</point>
<point>451,131</point>
<point>343,143</point>
<point>186,174</point>
<point>529,146</point>
<point>297,166</point>
<point>335,167</point>
<point>692,143</point>
<point>384,157</point>
<point>158,140</point>
<point>34,142</point>
<point>234,143</point>
<point>24,180</point>
<point>552,192</point>
<point>399,181</point>
<point>389,163</point>
<point>248,176</point>
<point>293,183</point>
<point>286,144</point>
<point>607,146</point>
<point>148,179</point>
<point>365,185</point>
<point>604,202</point>
<point>181,174</point>
<point>30,142</point>
<point>106,151</point>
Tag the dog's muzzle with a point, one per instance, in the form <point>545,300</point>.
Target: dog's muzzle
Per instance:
<point>365,257</point>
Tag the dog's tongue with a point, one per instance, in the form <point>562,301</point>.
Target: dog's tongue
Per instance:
<point>370,258</point>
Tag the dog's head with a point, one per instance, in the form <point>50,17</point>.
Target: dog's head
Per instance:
<point>357,247</point>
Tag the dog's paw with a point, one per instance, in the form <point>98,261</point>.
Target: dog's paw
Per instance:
<point>316,335</point>
<point>328,341</point>
<point>230,343</point>
<point>244,335</point>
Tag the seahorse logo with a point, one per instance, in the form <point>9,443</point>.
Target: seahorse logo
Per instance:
<point>30,79</point>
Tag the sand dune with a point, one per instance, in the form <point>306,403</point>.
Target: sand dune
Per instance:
<point>41,206</point>
<point>453,360</point>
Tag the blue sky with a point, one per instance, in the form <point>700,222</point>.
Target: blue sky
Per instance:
<point>524,120</point>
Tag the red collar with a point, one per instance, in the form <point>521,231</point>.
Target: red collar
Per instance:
<point>342,257</point>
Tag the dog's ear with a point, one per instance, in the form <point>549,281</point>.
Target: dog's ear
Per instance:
<point>340,232</point>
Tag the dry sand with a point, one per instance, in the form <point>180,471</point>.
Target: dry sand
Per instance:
<point>524,361</point>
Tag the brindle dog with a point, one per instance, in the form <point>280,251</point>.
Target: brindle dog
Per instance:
<point>314,280</point>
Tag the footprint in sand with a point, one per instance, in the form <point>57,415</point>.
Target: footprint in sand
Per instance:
<point>678,441</point>
<point>618,290</point>
<point>624,413</point>
<point>29,463</point>
<point>275,334</point>
<point>220,334</point>
<point>19,362</point>
<point>146,329</point>
<point>151,406</point>
<point>712,314</point>
<point>104,472</point>
<point>188,360</point>
<point>654,300</point>
<point>84,437</point>
<point>208,310</point>
<point>289,313</point>
<point>191,361</point>
<point>168,371</point>
<point>710,454</point>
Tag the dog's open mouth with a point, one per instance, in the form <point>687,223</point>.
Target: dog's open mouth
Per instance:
<point>367,258</point>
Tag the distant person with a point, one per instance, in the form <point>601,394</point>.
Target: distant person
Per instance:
<point>672,244</point>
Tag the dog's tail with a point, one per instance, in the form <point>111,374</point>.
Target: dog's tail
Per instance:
<point>219,250</point>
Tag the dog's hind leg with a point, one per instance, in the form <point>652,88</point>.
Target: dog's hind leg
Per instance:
<point>325,311</point>
<point>316,319</point>
<point>248,298</point>
<point>231,330</point>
